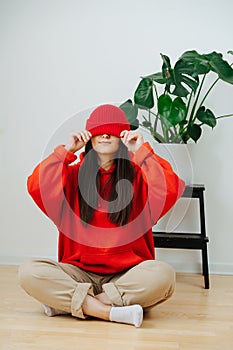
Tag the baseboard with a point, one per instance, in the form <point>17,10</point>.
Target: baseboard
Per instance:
<point>182,265</point>
<point>221,269</point>
<point>214,268</point>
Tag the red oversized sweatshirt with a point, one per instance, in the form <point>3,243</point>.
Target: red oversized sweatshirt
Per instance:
<point>101,246</point>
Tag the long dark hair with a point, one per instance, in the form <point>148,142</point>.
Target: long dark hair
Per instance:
<point>121,193</point>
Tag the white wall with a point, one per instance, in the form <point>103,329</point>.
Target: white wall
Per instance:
<point>59,57</point>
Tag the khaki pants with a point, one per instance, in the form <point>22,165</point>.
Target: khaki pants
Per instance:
<point>65,286</point>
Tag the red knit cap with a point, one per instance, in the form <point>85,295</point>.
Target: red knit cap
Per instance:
<point>107,119</point>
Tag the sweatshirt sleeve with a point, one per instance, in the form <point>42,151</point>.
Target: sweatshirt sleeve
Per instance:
<point>164,185</point>
<point>47,182</point>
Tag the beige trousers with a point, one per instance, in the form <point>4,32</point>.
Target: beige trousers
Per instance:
<point>65,286</point>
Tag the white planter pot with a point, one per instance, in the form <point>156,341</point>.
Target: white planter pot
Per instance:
<point>181,157</point>
<point>178,155</point>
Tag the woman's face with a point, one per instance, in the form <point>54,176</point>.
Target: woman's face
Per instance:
<point>105,144</point>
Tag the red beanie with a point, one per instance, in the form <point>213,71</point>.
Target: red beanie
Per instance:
<point>107,119</point>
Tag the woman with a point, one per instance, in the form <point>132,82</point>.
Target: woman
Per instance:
<point>104,207</point>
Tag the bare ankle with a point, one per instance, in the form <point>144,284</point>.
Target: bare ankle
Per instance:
<point>103,298</point>
<point>94,307</point>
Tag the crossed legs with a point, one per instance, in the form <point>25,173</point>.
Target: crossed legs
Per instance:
<point>118,298</point>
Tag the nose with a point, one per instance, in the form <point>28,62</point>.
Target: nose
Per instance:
<point>106,136</point>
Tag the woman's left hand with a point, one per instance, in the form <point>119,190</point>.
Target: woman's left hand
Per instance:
<point>132,139</point>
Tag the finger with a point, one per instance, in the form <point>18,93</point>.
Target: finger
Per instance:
<point>123,133</point>
<point>132,136</point>
<point>87,134</point>
<point>73,137</point>
<point>85,137</point>
<point>78,137</point>
<point>125,136</point>
<point>82,136</point>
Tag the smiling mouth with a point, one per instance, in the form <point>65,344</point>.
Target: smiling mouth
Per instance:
<point>105,142</point>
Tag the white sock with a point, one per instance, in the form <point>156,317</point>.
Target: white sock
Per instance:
<point>50,311</point>
<point>132,314</point>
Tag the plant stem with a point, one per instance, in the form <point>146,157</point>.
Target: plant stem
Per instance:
<point>211,87</point>
<point>156,122</point>
<point>165,132</point>
<point>195,102</point>
<point>156,92</point>
<point>153,113</point>
<point>175,138</point>
<point>224,116</point>
<point>175,131</point>
<point>149,116</point>
<point>207,93</point>
<point>172,135</point>
<point>189,102</point>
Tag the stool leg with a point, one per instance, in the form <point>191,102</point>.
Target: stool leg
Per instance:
<point>205,266</point>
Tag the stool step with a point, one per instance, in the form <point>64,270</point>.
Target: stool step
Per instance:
<point>188,240</point>
<point>179,240</point>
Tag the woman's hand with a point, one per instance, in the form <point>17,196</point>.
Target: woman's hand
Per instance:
<point>77,140</point>
<point>132,139</point>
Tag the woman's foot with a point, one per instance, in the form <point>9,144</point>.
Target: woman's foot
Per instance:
<point>132,314</point>
<point>50,311</point>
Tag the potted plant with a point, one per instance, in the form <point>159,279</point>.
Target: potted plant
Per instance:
<point>171,106</point>
<point>178,114</point>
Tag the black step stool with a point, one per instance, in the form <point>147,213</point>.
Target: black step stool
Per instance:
<point>189,240</point>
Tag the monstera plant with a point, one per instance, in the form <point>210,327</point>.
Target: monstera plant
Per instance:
<point>178,113</point>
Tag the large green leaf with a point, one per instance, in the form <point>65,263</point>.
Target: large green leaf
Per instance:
<point>183,77</point>
<point>164,105</point>
<point>131,112</point>
<point>200,63</point>
<point>206,116</point>
<point>143,95</point>
<point>194,132</point>
<point>178,111</point>
<point>167,72</point>
<point>171,112</point>
<point>220,66</point>
<point>158,77</point>
<point>186,67</point>
<point>164,109</point>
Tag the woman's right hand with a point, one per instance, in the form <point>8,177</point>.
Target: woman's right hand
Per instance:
<point>77,140</point>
